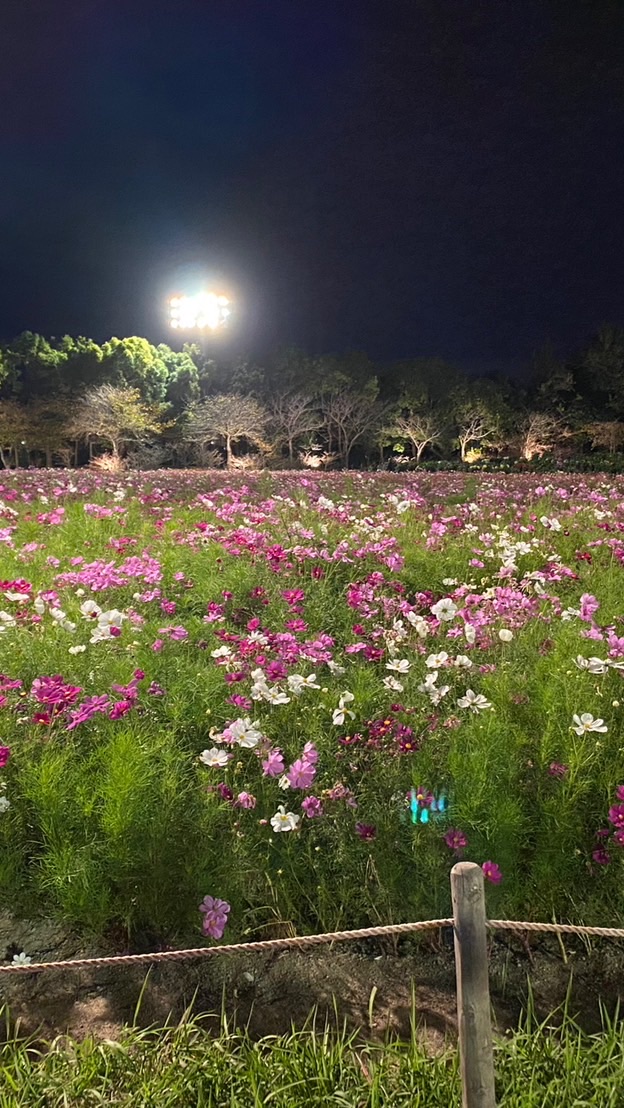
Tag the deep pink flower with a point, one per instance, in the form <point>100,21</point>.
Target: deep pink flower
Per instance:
<point>557,769</point>
<point>5,754</point>
<point>312,807</point>
<point>224,791</point>
<point>492,873</point>
<point>601,856</point>
<point>455,839</point>
<point>616,815</point>
<point>215,913</point>
<point>120,708</point>
<point>365,831</point>
<point>619,792</point>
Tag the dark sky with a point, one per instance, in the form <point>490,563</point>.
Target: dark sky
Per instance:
<point>409,178</point>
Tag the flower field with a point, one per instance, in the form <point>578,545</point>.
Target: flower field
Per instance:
<point>254,704</point>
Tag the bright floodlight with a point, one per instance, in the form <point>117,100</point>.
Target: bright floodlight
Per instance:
<point>204,311</point>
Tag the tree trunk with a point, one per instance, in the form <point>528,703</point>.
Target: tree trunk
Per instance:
<point>420,450</point>
<point>48,457</point>
<point>291,452</point>
<point>228,450</point>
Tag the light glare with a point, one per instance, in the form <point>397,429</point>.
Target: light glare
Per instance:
<point>205,310</point>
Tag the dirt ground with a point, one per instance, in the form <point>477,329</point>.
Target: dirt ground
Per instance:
<point>372,987</point>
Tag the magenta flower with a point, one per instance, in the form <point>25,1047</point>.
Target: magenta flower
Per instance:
<point>557,769</point>
<point>312,807</point>
<point>616,815</point>
<point>601,856</point>
<point>619,792</point>
<point>5,754</point>
<point>273,764</point>
<point>365,831</point>
<point>492,873</point>
<point>455,839</point>
<point>215,913</point>
<point>120,708</point>
<point>224,791</point>
<point>301,774</point>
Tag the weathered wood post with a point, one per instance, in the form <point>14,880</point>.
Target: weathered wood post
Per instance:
<point>473,991</point>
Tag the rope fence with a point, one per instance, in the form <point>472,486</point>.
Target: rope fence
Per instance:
<point>300,942</point>
<point>470,927</point>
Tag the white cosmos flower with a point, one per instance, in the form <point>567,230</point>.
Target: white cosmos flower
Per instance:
<point>284,821</point>
<point>429,683</point>
<point>419,624</point>
<point>470,633</point>
<point>434,661</point>
<point>475,701</point>
<point>21,959</point>
<point>505,635</point>
<point>551,523</point>
<point>297,683</point>
<point>392,684</point>
<point>245,733</point>
<point>39,606</point>
<point>90,610</point>
<point>4,804</point>
<point>402,665</point>
<point>340,713</point>
<point>77,649</point>
<point>445,609</point>
<point>438,694</point>
<point>6,621</point>
<point>462,661</point>
<point>336,669</point>
<point>214,757</point>
<point>58,615</point>
<point>275,696</point>
<point>586,722</point>
<point>593,664</point>
<point>221,652</point>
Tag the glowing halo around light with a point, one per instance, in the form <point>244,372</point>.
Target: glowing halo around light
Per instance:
<point>205,311</point>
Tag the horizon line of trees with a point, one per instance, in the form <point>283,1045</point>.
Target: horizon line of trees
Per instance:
<point>70,401</point>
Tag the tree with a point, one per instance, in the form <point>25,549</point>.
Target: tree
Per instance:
<point>539,434</point>
<point>116,416</point>
<point>293,415</point>
<point>135,364</point>
<point>47,430</point>
<point>602,370</point>
<point>606,435</point>
<point>349,416</point>
<point>33,368</point>
<point>226,419</point>
<point>421,429</point>
<point>13,427</point>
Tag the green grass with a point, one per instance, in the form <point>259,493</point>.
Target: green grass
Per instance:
<point>185,1067</point>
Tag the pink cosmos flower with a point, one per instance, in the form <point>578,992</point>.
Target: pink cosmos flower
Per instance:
<point>245,800</point>
<point>365,831</point>
<point>301,774</point>
<point>5,754</point>
<point>455,839</point>
<point>312,807</point>
<point>492,873</point>
<point>215,913</point>
<point>273,764</point>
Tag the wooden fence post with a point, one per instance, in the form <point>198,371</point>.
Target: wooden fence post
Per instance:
<point>473,992</point>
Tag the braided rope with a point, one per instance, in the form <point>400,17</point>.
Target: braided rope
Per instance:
<point>299,942</point>
<point>262,946</point>
<point>556,928</point>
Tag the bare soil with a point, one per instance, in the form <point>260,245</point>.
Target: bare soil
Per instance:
<point>372,987</point>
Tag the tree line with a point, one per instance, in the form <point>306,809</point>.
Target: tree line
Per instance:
<point>126,401</point>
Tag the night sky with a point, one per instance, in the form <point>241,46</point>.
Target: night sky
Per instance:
<point>429,177</point>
